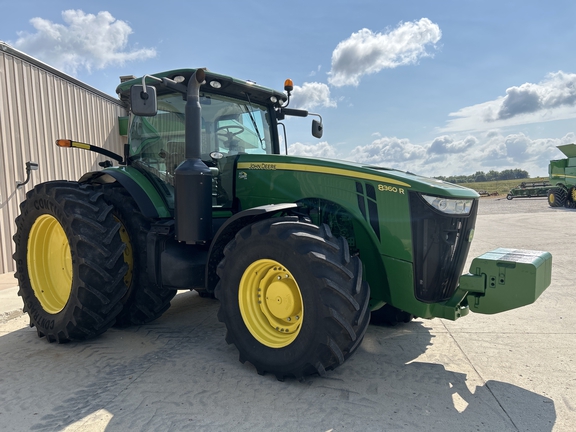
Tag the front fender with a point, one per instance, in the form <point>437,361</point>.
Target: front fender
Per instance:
<point>229,229</point>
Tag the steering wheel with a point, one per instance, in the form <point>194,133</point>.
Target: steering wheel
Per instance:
<point>227,132</point>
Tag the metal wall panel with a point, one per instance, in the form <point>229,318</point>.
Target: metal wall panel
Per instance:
<point>38,105</point>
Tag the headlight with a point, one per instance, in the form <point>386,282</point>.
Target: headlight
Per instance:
<point>449,206</point>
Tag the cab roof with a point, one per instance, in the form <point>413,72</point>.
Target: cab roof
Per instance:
<point>228,86</point>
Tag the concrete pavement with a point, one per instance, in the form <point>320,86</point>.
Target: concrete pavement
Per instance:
<point>10,303</point>
<point>514,371</point>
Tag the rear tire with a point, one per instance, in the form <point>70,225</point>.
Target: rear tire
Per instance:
<point>144,301</point>
<point>292,298</point>
<point>69,261</point>
<point>571,198</point>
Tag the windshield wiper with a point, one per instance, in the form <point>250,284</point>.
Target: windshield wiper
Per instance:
<point>249,111</point>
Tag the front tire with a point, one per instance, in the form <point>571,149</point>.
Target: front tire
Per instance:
<point>292,298</point>
<point>69,261</point>
<point>556,197</point>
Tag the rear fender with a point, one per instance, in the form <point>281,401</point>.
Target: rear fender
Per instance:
<point>149,200</point>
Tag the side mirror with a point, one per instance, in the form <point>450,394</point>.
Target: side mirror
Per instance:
<point>317,129</point>
<point>143,101</point>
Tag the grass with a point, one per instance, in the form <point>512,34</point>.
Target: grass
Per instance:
<point>500,186</point>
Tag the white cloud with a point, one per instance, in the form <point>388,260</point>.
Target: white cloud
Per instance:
<point>557,90</point>
<point>314,72</point>
<point>448,145</point>
<point>366,52</point>
<point>450,155</point>
<point>85,41</point>
<point>554,98</point>
<point>321,150</point>
<point>517,146</point>
<point>312,95</point>
<point>385,150</point>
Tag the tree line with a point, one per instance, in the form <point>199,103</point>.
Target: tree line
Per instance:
<point>492,175</point>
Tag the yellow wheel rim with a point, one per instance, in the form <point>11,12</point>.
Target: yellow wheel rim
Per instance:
<point>128,253</point>
<point>271,303</point>
<point>49,263</point>
<point>551,198</point>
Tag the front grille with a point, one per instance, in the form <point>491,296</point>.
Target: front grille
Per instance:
<point>440,248</point>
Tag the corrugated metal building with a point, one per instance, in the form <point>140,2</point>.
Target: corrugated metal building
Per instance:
<point>38,105</point>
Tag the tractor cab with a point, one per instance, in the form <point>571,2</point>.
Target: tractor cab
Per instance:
<point>236,117</point>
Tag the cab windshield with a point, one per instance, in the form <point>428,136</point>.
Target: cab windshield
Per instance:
<point>229,126</point>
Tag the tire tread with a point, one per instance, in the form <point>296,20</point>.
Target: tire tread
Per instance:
<point>97,289</point>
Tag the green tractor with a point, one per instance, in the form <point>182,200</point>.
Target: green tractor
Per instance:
<point>562,174</point>
<point>301,253</point>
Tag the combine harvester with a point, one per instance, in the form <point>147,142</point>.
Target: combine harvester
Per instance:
<point>562,174</point>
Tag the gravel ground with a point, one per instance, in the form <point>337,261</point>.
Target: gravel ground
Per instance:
<point>501,205</point>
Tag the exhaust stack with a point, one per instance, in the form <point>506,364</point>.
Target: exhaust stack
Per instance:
<point>193,179</point>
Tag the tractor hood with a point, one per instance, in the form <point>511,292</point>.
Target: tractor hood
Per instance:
<point>385,176</point>
<point>423,184</point>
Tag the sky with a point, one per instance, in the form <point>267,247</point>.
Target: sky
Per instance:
<point>431,87</point>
